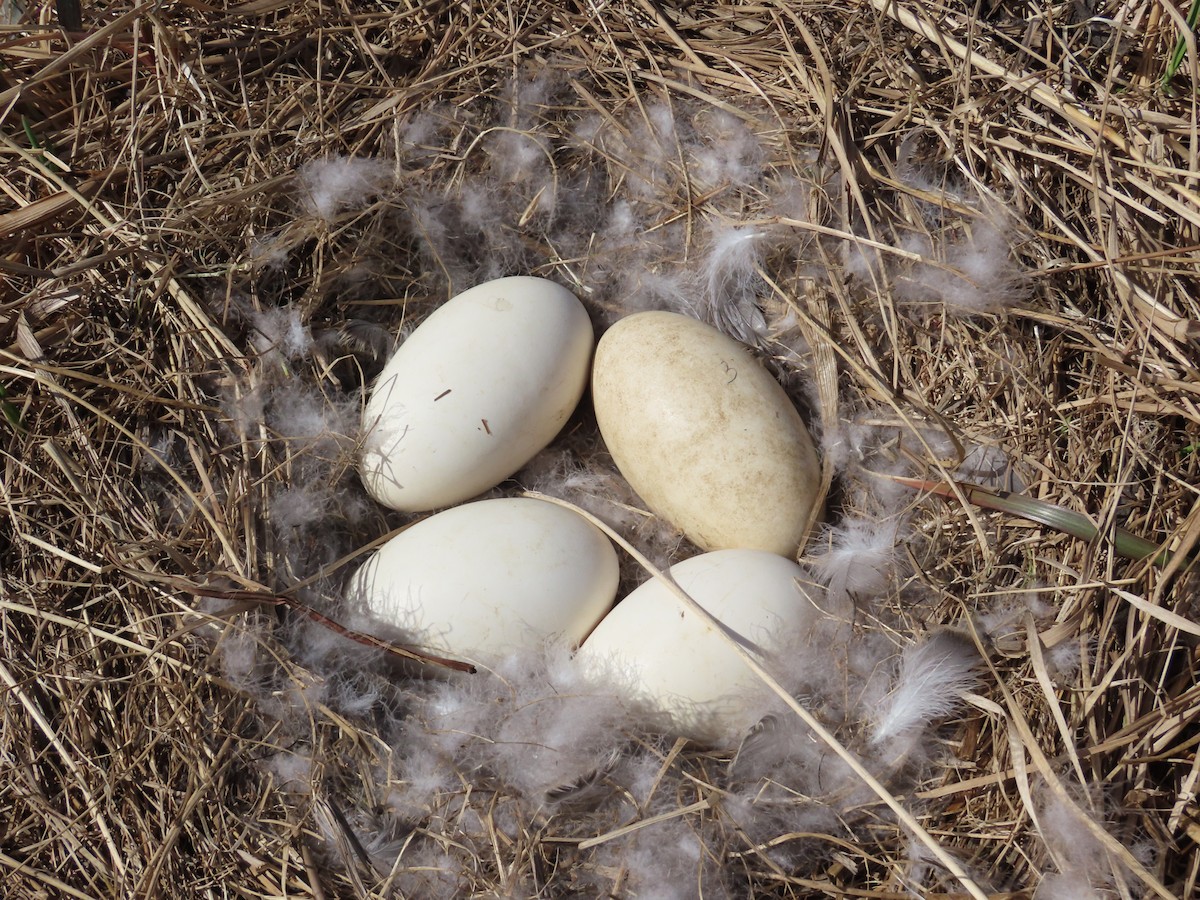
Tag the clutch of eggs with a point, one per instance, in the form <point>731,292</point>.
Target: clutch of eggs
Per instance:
<point>491,578</point>
<point>474,393</point>
<point>702,432</point>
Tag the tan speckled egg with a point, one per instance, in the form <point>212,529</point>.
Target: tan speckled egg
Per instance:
<point>704,434</point>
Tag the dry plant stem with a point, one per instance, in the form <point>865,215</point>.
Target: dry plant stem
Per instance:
<point>1124,543</point>
<point>64,889</point>
<point>1174,620</point>
<point>1022,739</point>
<point>68,758</point>
<point>817,330</point>
<point>1022,82</point>
<point>368,640</point>
<point>101,634</point>
<point>1034,644</point>
<point>82,49</point>
<point>906,818</point>
<point>58,390</point>
<point>44,210</point>
<point>698,806</point>
<point>265,598</point>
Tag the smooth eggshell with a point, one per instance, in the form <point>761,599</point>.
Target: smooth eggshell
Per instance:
<point>492,577</point>
<point>704,434</point>
<point>671,661</point>
<point>474,393</point>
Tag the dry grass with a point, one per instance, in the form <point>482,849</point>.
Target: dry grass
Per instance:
<point>133,234</point>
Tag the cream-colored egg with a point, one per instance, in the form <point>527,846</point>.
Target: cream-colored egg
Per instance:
<point>474,393</point>
<point>492,577</point>
<point>704,434</point>
<point>675,664</point>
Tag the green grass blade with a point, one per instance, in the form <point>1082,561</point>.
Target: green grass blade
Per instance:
<point>1124,543</point>
<point>1180,51</point>
<point>11,414</point>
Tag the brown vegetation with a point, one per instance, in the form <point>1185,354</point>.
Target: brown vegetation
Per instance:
<point>186,324</point>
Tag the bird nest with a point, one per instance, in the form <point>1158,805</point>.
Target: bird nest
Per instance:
<point>962,236</point>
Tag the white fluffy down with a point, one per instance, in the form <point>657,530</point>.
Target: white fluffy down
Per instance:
<point>1084,863</point>
<point>533,722</point>
<point>857,557</point>
<point>934,674</point>
<point>326,187</point>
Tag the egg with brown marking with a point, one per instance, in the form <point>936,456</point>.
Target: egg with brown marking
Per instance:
<point>474,393</point>
<point>704,434</point>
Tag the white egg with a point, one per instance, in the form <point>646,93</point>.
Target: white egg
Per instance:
<point>490,578</point>
<point>675,664</point>
<point>474,393</point>
<point>704,434</point>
